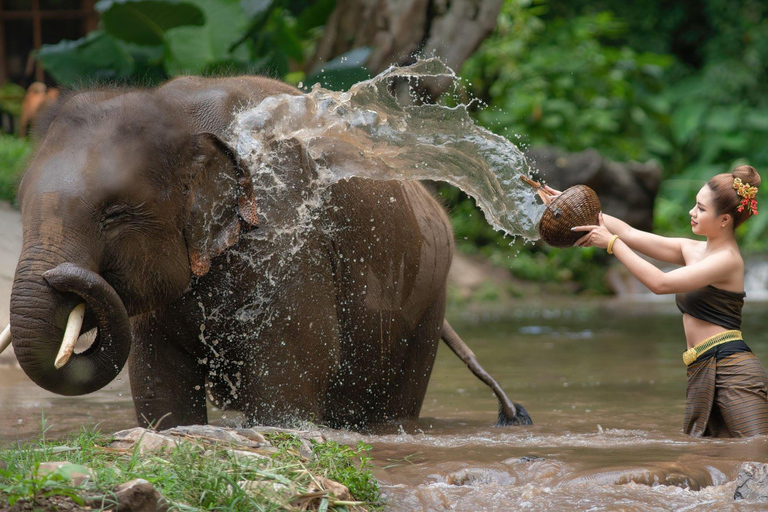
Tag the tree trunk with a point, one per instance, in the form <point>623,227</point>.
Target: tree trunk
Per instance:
<point>398,30</point>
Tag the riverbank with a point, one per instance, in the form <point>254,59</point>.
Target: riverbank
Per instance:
<point>189,468</point>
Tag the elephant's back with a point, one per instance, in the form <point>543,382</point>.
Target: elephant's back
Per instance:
<point>211,103</point>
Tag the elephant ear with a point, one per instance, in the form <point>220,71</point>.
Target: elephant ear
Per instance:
<point>220,198</point>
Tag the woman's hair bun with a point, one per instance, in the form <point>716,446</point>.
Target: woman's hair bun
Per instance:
<point>747,174</point>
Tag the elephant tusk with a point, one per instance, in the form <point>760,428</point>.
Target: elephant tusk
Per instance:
<point>5,338</point>
<point>74,323</point>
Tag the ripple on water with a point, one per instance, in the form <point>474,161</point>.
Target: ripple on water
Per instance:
<point>439,496</point>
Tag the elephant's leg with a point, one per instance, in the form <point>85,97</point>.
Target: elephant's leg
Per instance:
<point>167,382</point>
<point>413,365</point>
<point>391,274</point>
<point>387,358</point>
<point>291,360</point>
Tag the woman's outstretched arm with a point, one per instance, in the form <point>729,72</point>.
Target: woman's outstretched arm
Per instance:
<point>659,247</point>
<point>656,246</point>
<point>714,269</point>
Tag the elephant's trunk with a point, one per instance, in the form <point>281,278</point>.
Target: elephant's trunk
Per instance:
<point>40,307</point>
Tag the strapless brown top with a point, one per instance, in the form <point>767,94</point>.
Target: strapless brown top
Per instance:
<point>714,305</point>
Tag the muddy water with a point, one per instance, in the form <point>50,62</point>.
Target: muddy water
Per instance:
<point>603,380</point>
<point>605,385</point>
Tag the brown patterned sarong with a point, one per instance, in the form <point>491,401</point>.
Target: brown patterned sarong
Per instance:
<point>727,398</point>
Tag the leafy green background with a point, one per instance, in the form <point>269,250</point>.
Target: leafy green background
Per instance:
<point>683,83</point>
<point>148,41</point>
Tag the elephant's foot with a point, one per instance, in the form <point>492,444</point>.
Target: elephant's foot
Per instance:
<point>520,418</point>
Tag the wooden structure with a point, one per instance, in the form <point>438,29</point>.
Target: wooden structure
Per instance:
<point>25,25</point>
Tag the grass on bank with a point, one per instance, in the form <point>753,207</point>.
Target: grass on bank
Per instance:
<point>190,477</point>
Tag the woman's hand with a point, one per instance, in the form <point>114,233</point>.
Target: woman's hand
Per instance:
<point>599,236</point>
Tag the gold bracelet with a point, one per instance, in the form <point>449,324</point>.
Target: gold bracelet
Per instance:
<point>610,244</point>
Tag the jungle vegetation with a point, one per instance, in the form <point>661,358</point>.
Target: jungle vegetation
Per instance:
<point>679,82</point>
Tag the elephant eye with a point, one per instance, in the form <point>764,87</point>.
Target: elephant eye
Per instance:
<point>115,214</point>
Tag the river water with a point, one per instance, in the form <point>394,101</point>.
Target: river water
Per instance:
<point>603,380</point>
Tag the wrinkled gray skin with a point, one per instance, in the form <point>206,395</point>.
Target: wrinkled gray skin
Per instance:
<point>134,204</point>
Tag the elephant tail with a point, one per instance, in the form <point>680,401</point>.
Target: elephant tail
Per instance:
<point>510,413</point>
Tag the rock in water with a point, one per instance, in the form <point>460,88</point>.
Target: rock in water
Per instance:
<point>752,482</point>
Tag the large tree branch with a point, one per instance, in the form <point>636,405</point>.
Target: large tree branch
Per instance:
<point>397,30</point>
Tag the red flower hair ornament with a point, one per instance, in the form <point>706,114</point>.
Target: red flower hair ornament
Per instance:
<point>747,194</point>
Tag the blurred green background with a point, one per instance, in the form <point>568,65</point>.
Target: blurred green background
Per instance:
<point>683,83</point>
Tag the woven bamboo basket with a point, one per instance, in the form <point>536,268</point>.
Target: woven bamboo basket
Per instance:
<point>576,206</point>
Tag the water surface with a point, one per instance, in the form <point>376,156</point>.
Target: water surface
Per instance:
<point>603,380</point>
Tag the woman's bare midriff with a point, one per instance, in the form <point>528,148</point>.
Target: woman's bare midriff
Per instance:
<point>697,330</point>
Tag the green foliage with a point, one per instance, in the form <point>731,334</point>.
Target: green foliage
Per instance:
<point>14,153</point>
<point>199,49</point>
<point>719,107</point>
<point>677,82</point>
<point>571,84</point>
<point>16,486</point>
<point>146,21</point>
<point>349,466</point>
<point>284,441</point>
<point>147,41</point>
<point>344,71</point>
<point>565,84</point>
<point>96,56</point>
<point>11,96</point>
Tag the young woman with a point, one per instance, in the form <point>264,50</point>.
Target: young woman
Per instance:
<point>727,385</point>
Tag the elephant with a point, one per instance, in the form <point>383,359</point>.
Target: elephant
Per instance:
<point>142,224</point>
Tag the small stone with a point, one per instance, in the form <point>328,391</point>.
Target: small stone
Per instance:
<point>529,458</point>
<point>338,490</point>
<point>253,435</point>
<point>208,433</point>
<point>306,449</point>
<point>479,476</point>
<point>204,431</point>
<point>137,495</point>
<point>752,482</point>
<point>148,441</point>
<point>74,473</point>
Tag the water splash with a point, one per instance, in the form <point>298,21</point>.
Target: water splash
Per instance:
<point>367,133</point>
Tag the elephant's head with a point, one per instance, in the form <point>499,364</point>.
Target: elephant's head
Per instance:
<point>123,202</point>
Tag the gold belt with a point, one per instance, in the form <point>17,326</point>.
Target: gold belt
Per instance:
<point>690,355</point>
